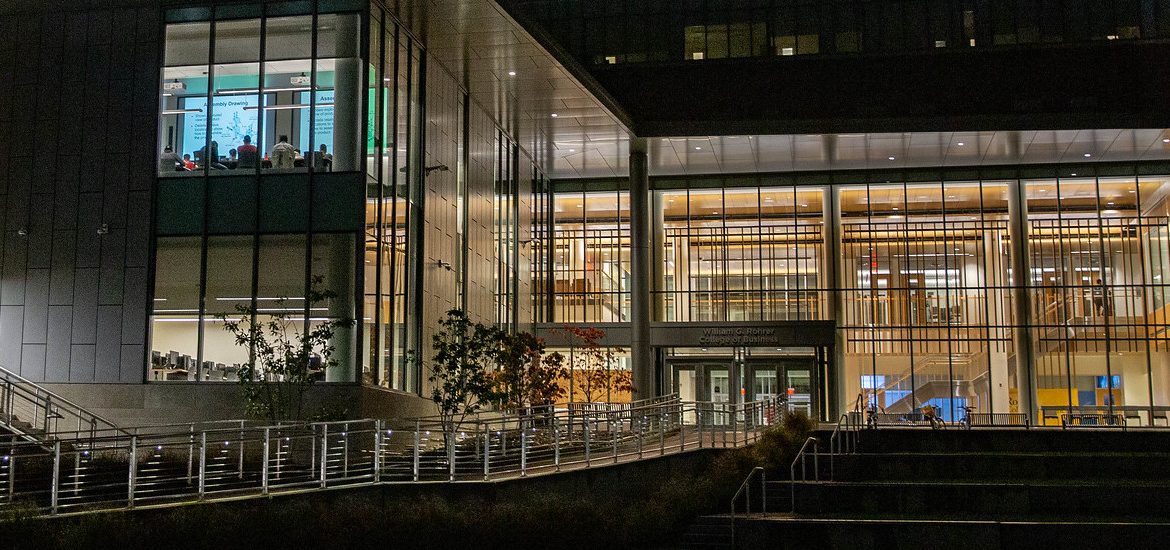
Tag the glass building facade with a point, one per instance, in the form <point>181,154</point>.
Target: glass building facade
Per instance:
<point>639,31</point>
<point>920,275</point>
<point>296,143</point>
<point>301,141</point>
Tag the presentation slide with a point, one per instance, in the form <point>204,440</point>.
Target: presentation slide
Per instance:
<point>231,120</point>
<point>322,125</point>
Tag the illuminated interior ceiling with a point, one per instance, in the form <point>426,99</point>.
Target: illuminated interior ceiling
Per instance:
<point>523,85</point>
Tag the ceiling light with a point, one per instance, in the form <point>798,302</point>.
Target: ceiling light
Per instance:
<point>572,150</point>
<point>1165,140</point>
<point>1087,155</point>
<point>892,158</point>
<point>1074,174</point>
<point>511,73</point>
<point>554,115</point>
<point>960,144</point>
<point>698,148</point>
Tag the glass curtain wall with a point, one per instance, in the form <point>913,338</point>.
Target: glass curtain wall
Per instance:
<point>275,94</point>
<point>506,215</point>
<point>740,254</point>
<point>199,280</point>
<point>636,31</point>
<point>392,199</point>
<point>1097,250</point>
<point>926,296</point>
<point>591,257</point>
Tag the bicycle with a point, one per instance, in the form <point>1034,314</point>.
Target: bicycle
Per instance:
<point>930,414</point>
<point>965,422</point>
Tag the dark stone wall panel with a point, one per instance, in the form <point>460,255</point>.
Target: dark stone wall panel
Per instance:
<point>78,102</point>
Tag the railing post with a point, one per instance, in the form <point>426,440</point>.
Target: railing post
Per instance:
<point>264,462</point>
<point>324,453</point>
<point>449,445</point>
<point>661,436</point>
<point>699,421</point>
<point>641,435</point>
<point>587,442</point>
<point>132,481</point>
<point>56,477</point>
<point>416,444</point>
<point>241,451</point>
<point>190,453</point>
<point>682,432</point>
<point>614,436</point>
<point>556,445</point>
<point>377,450</point>
<point>816,463</point>
<point>202,465</point>
<point>763,491</point>
<point>487,453</point>
<point>523,452</point>
<point>11,459</point>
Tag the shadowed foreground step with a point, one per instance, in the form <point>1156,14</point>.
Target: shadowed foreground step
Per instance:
<point>776,532</point>
<point>993,489</point>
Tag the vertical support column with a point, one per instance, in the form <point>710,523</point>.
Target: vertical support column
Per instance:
<point>640,270</point>
<point>1021,273</point>
<point>831,235</point>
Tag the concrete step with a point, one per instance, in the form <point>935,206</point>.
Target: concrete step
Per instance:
<point>1109,500</point>
<point>709,533</point>
<point>800,533</point>
<point>989,440</point>
<point>1000,466</point>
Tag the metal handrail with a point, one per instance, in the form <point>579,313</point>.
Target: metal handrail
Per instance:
<point>800,457</point>
<point>745,489</point>
<point>193,462</point>
<point>842,441</point>
<point>46,409</point>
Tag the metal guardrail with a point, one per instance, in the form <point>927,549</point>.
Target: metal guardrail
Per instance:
<point>237,459</point>
<point>39,415</point>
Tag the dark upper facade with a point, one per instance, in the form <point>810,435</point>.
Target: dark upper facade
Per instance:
<point>723,67</point>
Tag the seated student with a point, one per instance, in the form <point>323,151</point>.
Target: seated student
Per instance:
<point>187,162</point>
<point>283,154</point>
<point>248,154</point>
<point>168,161</point>
<point>231,161</point>
<point>212,159</point>
<point>322,160</point>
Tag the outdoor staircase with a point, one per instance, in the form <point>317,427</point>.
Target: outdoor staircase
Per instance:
<point>30,412</point>
<point>708,533</point>
<point>982,488</point>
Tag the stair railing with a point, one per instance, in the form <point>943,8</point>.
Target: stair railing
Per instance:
<point>745,489</point>
<point>801,457</point>
<point>37,414</point>
<point>844,438</point>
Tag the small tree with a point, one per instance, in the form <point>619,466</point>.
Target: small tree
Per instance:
<point>281,354</point>
<point>525,376</point>
<point>597,376</point>
<point>459,370</point>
